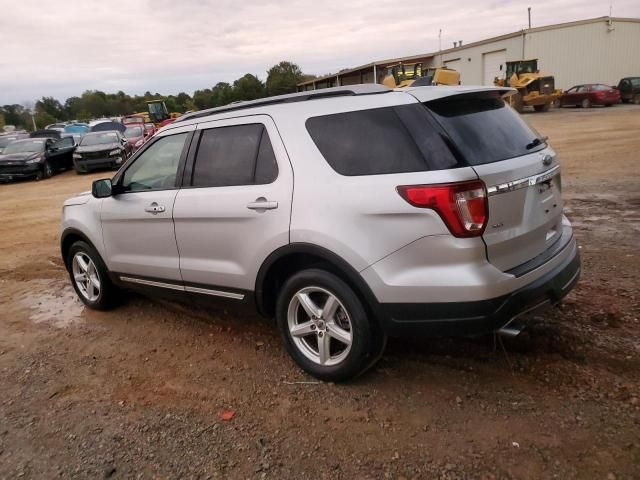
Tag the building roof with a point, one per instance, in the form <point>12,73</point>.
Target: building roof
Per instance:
<point>390,61</point>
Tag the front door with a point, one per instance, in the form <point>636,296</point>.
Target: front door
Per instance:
<point>237,210</point>
<point>137,222</point>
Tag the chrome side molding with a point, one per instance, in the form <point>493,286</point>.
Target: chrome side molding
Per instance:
<point>205,291</point>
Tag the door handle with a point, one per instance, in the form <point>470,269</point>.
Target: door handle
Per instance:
<point>262,204</point>
<point>154,208</point>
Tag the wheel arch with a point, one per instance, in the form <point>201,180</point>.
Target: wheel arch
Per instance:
<point>69,237</point>
<point>294,257</point>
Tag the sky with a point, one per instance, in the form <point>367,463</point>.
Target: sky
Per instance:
<point>61,49</point>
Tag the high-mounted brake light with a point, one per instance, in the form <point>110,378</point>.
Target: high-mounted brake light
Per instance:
<point>462,205</point>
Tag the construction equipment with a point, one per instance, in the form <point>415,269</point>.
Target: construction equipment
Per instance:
<point>534,89</point>
<point>157,113</point>
<point>416,74</point>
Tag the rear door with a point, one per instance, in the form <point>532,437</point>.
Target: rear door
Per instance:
<point>521,173</point>
<point>237,209</point>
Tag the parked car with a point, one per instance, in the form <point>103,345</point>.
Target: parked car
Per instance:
<point>108,149</point>
<point>150,128</point>
<point>46,133</point>
<point>77,128</point>
<point>588,95</point>
<point>6,139</point>
<point>135,135</point>
<point>56,126</point>
<point>427,211</point>
<point>35,158</point>
<point>629,89</point>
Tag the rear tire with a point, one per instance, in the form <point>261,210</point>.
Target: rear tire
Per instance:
<point>542,108</point>
<point>636,99</point>
<point>335,345</point>
<point>586,103</point>
<point>90,277</point>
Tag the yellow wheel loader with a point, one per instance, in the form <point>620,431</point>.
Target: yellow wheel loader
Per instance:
<point>534,89</point>
<point>415,74</point>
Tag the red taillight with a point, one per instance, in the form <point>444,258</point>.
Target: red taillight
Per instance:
<point>462,206</point>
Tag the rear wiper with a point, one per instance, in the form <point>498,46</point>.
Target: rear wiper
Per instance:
<point>536,142</point>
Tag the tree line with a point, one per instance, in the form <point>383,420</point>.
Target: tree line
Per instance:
<point>281,78</point>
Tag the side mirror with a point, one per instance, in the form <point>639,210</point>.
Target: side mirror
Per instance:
<point>102,188</point>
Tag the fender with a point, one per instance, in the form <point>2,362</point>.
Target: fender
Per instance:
<point>350,275</point>
<point>72,231</point>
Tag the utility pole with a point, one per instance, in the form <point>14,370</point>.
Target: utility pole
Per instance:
<point>440,40</point>
<point>529,11</point>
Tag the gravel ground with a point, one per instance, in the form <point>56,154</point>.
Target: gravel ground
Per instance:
<point>141,391</point>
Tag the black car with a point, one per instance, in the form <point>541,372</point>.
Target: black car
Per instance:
<point>630,90</point>
<point>6,139</point>
<point>107,149</point>
<point>35,158</point>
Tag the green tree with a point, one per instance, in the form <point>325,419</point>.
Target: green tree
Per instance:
<point>52,107</point>
<point>248,87</point>
<point>283,78</point>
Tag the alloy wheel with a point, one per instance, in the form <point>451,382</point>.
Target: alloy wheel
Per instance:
<point>85,276</point>
<point>320,326</point>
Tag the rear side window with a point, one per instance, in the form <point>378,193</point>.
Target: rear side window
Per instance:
<point>236,155</point>
<point>484,128</point>
<point>381,141</point>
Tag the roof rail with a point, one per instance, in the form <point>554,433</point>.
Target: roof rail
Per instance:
<point>362,89</point>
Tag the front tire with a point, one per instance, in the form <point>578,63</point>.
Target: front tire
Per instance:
<point>89,277</point>
<point>586,103</point>
<point>325,327</point>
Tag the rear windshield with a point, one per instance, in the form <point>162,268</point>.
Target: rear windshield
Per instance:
<point>381,141</point>
<point>484,128</point>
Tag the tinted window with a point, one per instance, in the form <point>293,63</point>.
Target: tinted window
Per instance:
<point>237,155</point>
<point>157,167</point>
<point>66,142</point>
<point>381,141</point>
<point>484,128</point>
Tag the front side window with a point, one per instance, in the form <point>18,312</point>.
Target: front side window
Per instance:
<point>235,155</point>
<point>156,168</point>
<point>66,142</point>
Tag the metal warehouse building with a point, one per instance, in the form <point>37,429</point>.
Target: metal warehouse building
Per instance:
<point>598,50</point>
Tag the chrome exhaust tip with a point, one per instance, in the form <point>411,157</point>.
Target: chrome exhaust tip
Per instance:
<point>511,329</point>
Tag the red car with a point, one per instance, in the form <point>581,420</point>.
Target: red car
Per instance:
<point>136,135</point>
<point>591,94</point>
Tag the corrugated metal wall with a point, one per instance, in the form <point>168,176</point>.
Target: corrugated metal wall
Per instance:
<point>589,53</point>
<point>584,53</point>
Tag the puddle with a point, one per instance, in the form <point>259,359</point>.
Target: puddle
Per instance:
<point>57,305</point>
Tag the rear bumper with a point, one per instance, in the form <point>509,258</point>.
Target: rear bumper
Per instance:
<point>484,316</point>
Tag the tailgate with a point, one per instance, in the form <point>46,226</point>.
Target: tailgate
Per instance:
<point>520,171</point>
<point>525,208</point>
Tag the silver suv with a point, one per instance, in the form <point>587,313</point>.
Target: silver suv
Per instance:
<point>348,214</point>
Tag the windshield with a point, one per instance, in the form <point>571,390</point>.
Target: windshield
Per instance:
<point>131,132</point>
<point>484,128</point>
<point>6,140</point>
<point>25,147</point>
<point>99,138</point>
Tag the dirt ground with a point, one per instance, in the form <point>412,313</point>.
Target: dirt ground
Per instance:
<point>138,392</point>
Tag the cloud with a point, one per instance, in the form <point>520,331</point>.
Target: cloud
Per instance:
<point>62,49</point>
